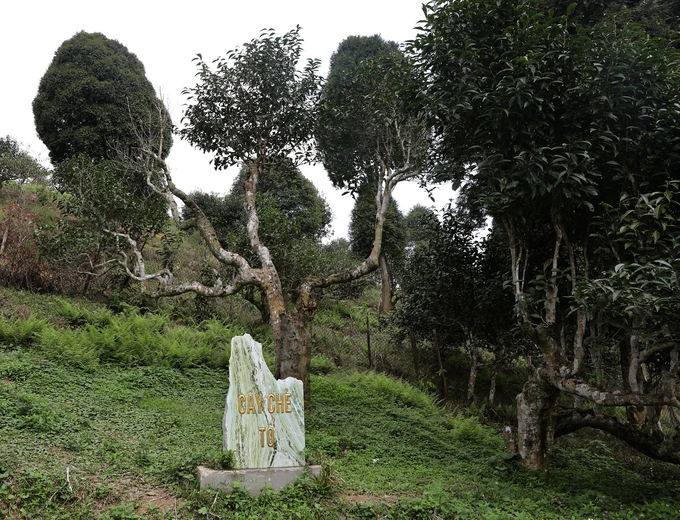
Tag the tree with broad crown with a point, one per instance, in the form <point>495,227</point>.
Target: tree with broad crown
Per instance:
<point>366,131</point>
<point>554,126</point>
<point>90,98</point>
<point>255,108</point>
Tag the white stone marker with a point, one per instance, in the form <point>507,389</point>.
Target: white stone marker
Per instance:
<point>264,421</point>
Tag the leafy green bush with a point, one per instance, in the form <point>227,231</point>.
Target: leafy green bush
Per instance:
<point>469,429</point>
<point>69,347</point>
<point>321,365</point>
<point>17,332</point>
<point>77,316</point>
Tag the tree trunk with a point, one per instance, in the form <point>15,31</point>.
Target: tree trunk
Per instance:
<point>492,385</point>
<point>4,239</point>
<point>293,342</point>
<point>386,296</point>
<point>414,353</point>
<point>534,434</point>
<point>442,372</point>
<point>474,370</point>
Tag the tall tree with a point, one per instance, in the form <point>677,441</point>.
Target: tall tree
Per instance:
<point>256,108</point>
<point>366,131</point>
<point>93,106</point>
<point>553,123</point>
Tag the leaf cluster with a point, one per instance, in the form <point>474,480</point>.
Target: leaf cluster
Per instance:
<point>549,109</point>
<point>17,164</point>
<point>642,235</point>
<point>131,207</point>
<point>254,102</point>
<point>453,282</point>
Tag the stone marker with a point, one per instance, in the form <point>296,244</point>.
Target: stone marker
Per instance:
<point>264,424</point>
<point>264,418</point>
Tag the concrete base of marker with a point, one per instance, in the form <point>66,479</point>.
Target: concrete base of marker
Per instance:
<point>252,479</point>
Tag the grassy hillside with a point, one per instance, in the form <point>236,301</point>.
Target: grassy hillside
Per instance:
<point>106,415</point>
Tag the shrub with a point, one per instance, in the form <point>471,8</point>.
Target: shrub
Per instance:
<point>321,365</point>
<point>17,332</point>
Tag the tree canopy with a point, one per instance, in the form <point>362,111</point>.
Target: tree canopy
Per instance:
<point>553,124</point>
<point>94,99</point>
<point>364,125</point>
<point>240,114</point>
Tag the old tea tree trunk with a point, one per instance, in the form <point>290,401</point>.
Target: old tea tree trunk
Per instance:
<point>292,337</point>
<point>553,400</point>
<point>254,108</point>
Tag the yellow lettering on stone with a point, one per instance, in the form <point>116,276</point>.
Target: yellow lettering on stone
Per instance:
<point>262,429</point>
<point>270,437</point>
<point>271,403</point>
<point>279,403</point>
<point>258,398</point>
<point>251,404</point>
<point>241,404</point>
<point>289,408</point>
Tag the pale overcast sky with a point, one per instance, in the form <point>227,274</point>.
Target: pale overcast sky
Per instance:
<point>166,37</point>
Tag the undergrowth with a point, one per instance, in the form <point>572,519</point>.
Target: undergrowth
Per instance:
<point>88,338</point>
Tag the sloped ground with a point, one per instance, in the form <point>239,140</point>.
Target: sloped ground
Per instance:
<point>118,441</point>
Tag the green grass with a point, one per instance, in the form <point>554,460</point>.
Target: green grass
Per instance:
<point>120,437</point>
<point>124,431</point>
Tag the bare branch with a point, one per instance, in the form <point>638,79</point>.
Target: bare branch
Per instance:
<point>667,449</point>
<point>613,397</point>
<point>655,348</point>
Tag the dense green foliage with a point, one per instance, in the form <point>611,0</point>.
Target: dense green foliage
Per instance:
<point>239,114</point>
<point>347,118</point>
<point>364,127</point>
<point>453,282</point>
<point>658,18</point>
<point>563,123</point>
<point>130,206</point>
<point>127,339</point>
<point>290,208</point>
<point>94,99</point>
